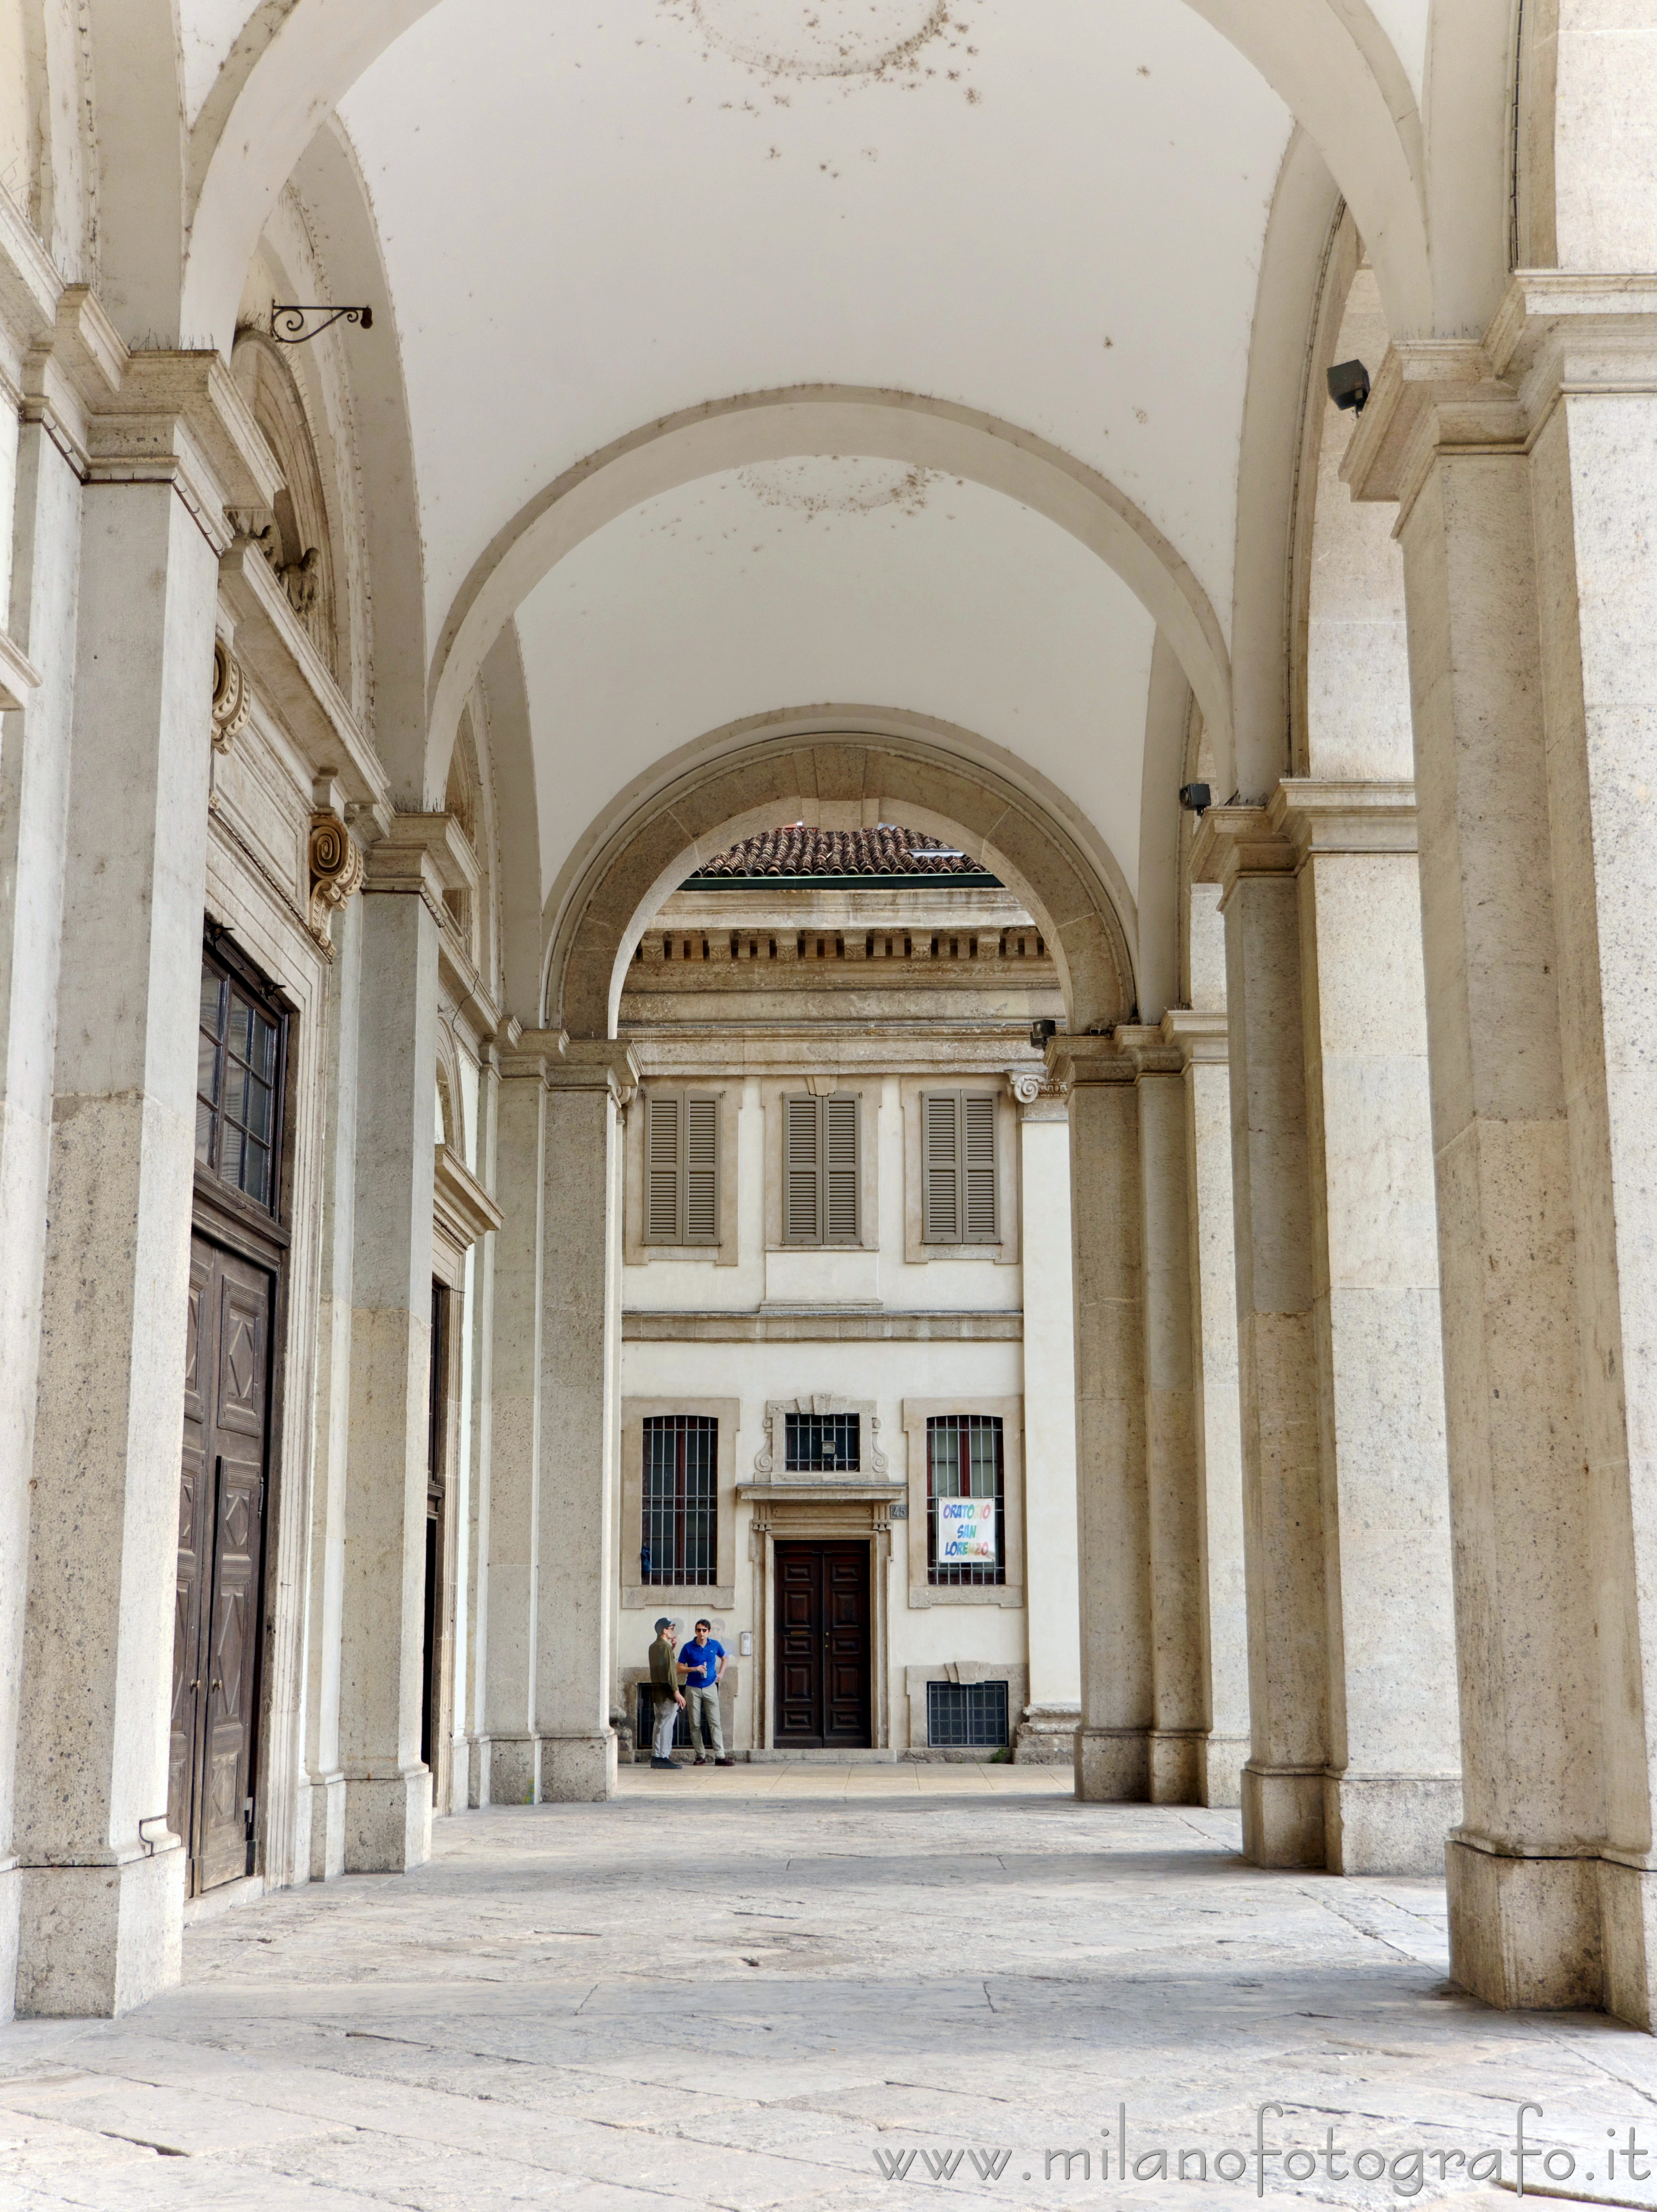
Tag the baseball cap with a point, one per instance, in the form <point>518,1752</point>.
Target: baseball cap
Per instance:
<point>663,1623</point>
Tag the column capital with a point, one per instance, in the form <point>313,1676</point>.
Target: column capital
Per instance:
<point>1319,815</point>
<point>1563,332</point>
<point>1235,842</point>
<point>1202,1039</point>
<point>595,1064</point>
<point>1149,1049</point>
<point>422,856</point>
<point>1038,1095</point>
<point>1074,1060</point>
<point>1429,394</point>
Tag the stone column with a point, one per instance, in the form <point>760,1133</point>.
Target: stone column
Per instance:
<point>509,1753</point>
<point>1394,1790</point>
<point>1046,1733</point>
<point>1448,441</point>
<point>1173,1505</point>
<point>580,1350</point>
<point>1113,1754</point>
<point>1283,1506</point>
<point>333,1403</point>
<point>1199,1038</point>
<point>102,1877</point>
<point>388,1786</point>
<point>34,765</point>
<point>472,1719</point>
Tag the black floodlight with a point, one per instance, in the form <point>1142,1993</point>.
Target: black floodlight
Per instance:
<point>1349,386</point>
<point>1196,798</point>
<point>1039,1033</point>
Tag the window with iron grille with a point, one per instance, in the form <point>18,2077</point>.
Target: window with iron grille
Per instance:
<point>822,1444</point>
<point>963,1461</point>
<point>239,1087</point>
<point>681,1458</point>
<point>965,1716</point>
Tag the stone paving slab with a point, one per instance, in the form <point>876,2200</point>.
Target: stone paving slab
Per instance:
<point>820,1991</point>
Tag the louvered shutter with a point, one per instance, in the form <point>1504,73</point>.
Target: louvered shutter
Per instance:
<point>801,1219</point>
<point>701,1171</point>
<point>940,1167</point>
<point>840,1157</point>
<point>978,1135</point>
<point>662,1129</point>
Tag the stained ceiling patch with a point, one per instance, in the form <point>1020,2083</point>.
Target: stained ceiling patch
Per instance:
<point>823,38</point>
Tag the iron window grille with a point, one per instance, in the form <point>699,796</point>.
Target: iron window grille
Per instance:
<point>678,1545</point>
<point>822,1444</point>
<point>965,1716</point>
<point>963,1459</point>
<point>238,1088</point>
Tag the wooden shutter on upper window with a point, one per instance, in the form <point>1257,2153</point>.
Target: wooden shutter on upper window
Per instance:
<point>978,1144</point>
<point>661,1166</point>
<point>940,1167</point>
<point>840,1168</point>
<point>802,1219</point>
<point>701,1171</point>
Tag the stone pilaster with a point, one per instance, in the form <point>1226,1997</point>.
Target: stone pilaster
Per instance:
<point>471,1716</point>
<point>1445,437</point>
<point>1172,1498</point>
<point>1046,1733</point>
<point>1393,1788</point>
<point>101,1887</point>
<point>1283,1783</point>
<point>1112,1752</point>
<point>510,1755</point>
<point>1200,1040</point>
<point>580,1375</point>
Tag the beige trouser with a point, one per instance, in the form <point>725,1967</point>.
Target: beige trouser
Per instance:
<point>698,1702</point>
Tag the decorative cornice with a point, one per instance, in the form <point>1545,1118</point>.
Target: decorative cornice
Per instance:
<point>1319,817</point>
<point>1149,1051</point>
<point>827,1324</point>
<point>1201,1039</point>
<point>462,1210</point>
<point>1078,1060</point>
<point>1429,394</point>
<point>594,1064</point>
<point>422,856</point>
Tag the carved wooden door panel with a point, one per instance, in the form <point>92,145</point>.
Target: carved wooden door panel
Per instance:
<point>221,1555</point>
<point>822,1645</point>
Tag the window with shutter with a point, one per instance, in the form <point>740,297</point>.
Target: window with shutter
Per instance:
<point>940,1167</point>
<point>701,1171</point>
<point>820,1160</point>
<point>661,1127</point>
<point>840,1154</point>
<point>979,1131</point>
<point>802,1219</point>
<point>958,1167</point>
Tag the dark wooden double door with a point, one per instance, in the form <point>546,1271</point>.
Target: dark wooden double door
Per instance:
<point>212,1766</point>
<point>822,1646</point>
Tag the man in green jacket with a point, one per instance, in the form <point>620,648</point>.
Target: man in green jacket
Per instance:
<point>665,1671</point>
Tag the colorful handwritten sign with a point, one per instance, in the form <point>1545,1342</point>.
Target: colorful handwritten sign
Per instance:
<point>967,1532</point>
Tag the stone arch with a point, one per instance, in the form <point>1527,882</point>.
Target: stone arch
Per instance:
<point>298,540</point>
<point>850,768</point>
<point>821,419</point>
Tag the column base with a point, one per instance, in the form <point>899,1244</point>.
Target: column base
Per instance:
<point>1176,1765</point>
<point>1046,1735</point>
<point>509,1764</point>
<point>12,1906</point>
<point>93,1941</point>
<point>1284,1815</point>
<point>1389,1823</point>
<point>1113,1766</point>
<point>578,1770</point>
<point>1628,1921</point>
<point>1220,1769</point>
<point>1524,1933</point>
<point>388,1821</point>
<point>328,1828</point>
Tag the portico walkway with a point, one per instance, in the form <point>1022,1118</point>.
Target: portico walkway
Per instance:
<point>755,1988</point>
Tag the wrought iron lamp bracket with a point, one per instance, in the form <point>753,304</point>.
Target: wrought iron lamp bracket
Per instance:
<point>288,322</point>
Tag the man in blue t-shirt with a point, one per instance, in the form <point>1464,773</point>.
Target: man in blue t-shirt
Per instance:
<point>702,1662</point>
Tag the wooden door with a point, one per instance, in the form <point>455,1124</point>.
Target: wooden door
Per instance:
<point>220,1564</point>
<point>822,1645</point>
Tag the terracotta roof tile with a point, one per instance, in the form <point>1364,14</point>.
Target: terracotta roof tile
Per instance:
<point>887,851</point>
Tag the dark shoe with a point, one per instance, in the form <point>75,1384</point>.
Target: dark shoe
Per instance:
<point>724,1762</point>
<point>698,1762</point>
<point>664,1765</point>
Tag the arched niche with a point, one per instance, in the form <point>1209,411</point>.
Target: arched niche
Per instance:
<point>838,777</point>
<point>298,540</point>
